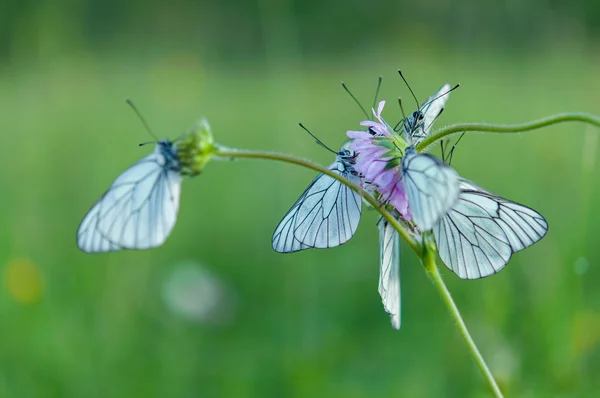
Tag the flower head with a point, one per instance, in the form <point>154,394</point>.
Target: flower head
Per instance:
<point>380,150</point>
<point>195,148</point>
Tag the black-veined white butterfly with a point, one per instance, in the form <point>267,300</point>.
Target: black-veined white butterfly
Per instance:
<point>482,230</point>
<point>140,208</point>
<point>389,272</point>
<point>431,185</point>
<point>326,214</point>
<point>432,188</point>
<point>418,125</point>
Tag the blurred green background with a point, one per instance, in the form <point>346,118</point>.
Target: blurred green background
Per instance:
<point>215,312</point>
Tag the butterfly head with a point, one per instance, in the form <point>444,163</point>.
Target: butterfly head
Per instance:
<point>169,152</point>
<point>347,158</point>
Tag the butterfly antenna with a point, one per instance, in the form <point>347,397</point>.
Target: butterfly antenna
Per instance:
<point>138,113</point>
<point>316,139</point>
<point>377,91</point>
<point>355,100</point>
<point>442,146</point>
<point>403,114</point>
<point>434,119</point>
<point>410,89</point>
<point>451,153</point>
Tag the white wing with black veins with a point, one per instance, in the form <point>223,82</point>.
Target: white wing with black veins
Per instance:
<point>138,211</point>
<point>482,231</point>
<point>431,188</point>
<point>326,215</point>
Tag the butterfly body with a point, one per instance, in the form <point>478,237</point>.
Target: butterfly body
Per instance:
<point>169,151</point>
<point>414,127</point>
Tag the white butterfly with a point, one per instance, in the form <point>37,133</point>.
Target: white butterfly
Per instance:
<point>139,209</point>
<point>431,185</point>
<point>326,214</point>
<point>482,231</point>
<point>389,272</point>
<point>418,125</point>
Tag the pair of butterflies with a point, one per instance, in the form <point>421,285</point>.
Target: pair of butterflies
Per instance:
<point>476,231</point>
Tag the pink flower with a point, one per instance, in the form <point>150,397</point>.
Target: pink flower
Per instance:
<point>378,161</point>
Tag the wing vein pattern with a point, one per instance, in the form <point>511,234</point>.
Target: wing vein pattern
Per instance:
<point>138,211</point>
<point>326,215</point>
<point>478,236</point>
<point>432,187</point>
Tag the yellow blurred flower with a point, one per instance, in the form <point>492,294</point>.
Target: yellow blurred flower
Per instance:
<point>23,281</point>
<point>586,333</point>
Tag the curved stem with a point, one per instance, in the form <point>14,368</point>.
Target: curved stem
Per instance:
<point>509,128</point>
<point>244,153</point>
<point>428,259</point>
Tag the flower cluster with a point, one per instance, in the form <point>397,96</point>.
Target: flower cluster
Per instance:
<point>380,150</point>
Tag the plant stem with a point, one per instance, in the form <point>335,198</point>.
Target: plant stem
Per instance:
<point>244,153</point>
<point>509,128</point>
<point>428,259</point>
<point>423,251</point>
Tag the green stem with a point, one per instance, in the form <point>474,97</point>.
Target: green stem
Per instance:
<point>426,253</point>
<point>244,153</point>
<point>509,128</point>
<point>428,259</point>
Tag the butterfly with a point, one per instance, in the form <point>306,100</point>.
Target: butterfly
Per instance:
<point>431,185</point>
<point>327,213</point>
<point>418,125</point>
<point>478,236</point>
<point>139,209</point>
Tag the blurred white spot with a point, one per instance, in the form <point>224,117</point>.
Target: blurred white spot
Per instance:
<point>194,293</point>
<point>581,265</point>
<point>504,358</point>
<point>505,363</point>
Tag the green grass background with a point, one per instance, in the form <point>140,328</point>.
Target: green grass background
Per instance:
<point>306,324</point>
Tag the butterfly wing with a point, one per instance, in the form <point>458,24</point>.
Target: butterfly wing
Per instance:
<point>482,231</point>
<point>283,240</point>
<point>389,272</point>
<point>417,126</point>
<point>431,110</point>
<point>138,211</point>
<point>326,215</point>
<point>431,187</point>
